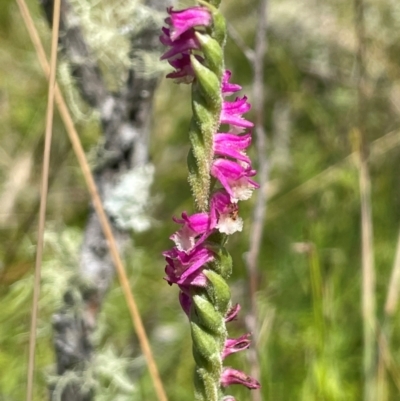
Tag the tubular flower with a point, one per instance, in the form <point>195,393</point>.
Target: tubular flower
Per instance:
<point>185,269</point>
<point>227,87</point>
<point>233,345</point>
<point>233,146</point>
<point>224,213</point>
<point>198,263</point>
<point>183,20</point>
<point>232,112</point>
<point>232,313</point>
<point>182,46</point>
<point>182,40</point>
<point>233,376</point>
<point>234,178</point>
<point>195,230</point>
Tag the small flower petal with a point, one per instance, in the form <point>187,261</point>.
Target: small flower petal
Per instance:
<point>183,69</point>
<point>231,145</point>
<point>234,178</point>
<point>233,345</point>
<point>183,20</point>
<point>232,313</point>
<point>232,376</point>
<point>224,213</point>
<point>184,44</point>
<point>185,269</point>
<point>186,302</point>
<point>231,113</point>
<point>227,87</point>
<point>196,228</point>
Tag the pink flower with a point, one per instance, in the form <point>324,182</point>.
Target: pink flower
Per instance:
<point>195,230</point>
<point>224,213</point>
<point>232,145</point>
<point>186,269</point>
<point>183,69</point>
<point>183,45</point>
<point>185,301</point>
<point>232,313</point>
<point>231,113</point>
<point>233,376</point>
<point>227,87</point>
<point>233,345</point>
<point>234,178</point>
<point>183,20</point>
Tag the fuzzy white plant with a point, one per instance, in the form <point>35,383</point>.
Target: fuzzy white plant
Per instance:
<point>129,201</point>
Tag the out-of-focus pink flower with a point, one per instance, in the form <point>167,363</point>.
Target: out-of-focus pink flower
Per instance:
<point>233,345</point>
<point>183,45</point>
<point>186,302</point>
<point>232,313</point>
<point>232,376</point>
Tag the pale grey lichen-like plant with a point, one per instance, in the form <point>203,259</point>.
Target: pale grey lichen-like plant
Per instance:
<point>220,175</point>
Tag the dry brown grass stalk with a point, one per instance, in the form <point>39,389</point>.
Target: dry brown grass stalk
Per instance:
<point>84,165</point>
<point>43,198</point>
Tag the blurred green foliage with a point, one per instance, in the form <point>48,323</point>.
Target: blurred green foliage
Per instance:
<point>309,290</point>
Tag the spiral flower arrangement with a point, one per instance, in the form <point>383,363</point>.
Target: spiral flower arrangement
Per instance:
<point>220,175</point>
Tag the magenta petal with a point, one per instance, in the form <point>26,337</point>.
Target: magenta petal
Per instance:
<point>231,145</point>
<point>231,113</point>
<point>182,20</point>
<point>196,228</point>
<point>183,269</point>
<point>232,376</point>
<point>232,313</point>
<point>197,261</point>
<point>183,69</point>
<point>224,213</point>
<point>228,88</point>
<point>182,45</point>
<point>197,279</point>
<point>233,345</point>
<point>186,302</point>
<point>220,203</point>
<point>234,178</point>
<point>198,222</point>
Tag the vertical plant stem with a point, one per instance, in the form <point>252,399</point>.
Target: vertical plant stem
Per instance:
<point>368,269</point>
<point>386,332</point>
<point>88,176</point>
<point>316,287</point>
<point>394,285</point>
<point>260,209</point>
<point>43,197</point>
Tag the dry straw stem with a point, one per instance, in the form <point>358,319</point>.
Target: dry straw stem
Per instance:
<point>394,284</point>
<point>43,197</point>
<point>83,163</point>
<point>368,279</point>
<point>387,359</point>
<point>384,360</point>
<point>367,236</point>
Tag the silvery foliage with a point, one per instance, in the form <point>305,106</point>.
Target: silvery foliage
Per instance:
<point>128,202</point>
